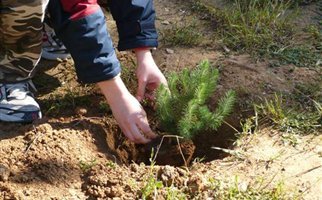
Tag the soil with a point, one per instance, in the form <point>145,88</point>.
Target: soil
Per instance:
<point>77,151</point>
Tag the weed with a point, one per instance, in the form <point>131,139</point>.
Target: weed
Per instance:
<point>307,94</point>
<point>290,139</point>
<point>262,28</point>
<point>67,98</point>
<point>236,192</point>
<point>301,56</point>
<point>290,120</point>
<point>151,188</point>
<point>110,164</point>
<point>315,34</point>
<point>238,154</point>
<point>86,166</point>
<point>214,184</point>
<point>240,191</point>
<point>104,107</point>
<point>152,185</point>
<point>250,26</point>
<point>250,125</point>
<point>174,193</point>
<point>198,160</point>
<point>184,35</point>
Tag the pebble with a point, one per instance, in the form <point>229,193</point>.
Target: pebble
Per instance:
<point>4,173</point>
<point>165,22</point>
<point>169,51</point>
<point>81,111</point>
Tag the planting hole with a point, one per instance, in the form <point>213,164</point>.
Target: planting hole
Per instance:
<point>169,153</point>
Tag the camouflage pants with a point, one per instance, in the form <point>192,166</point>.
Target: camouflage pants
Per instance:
<point>20,38</point>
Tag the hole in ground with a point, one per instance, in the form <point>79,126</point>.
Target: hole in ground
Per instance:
<point>169,153</point>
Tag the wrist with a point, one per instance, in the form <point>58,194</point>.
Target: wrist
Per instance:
<point>144,57</point>
<point>141,53</point>
<point>114,89</point>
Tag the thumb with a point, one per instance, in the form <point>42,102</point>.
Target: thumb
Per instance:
<point>141,90</point>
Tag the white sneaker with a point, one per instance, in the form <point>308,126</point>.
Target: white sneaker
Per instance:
<point>52,47</point>
<point>17,103</point>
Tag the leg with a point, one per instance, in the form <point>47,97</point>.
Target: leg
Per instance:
<point>20,49</point>
<point>52,47</point>
<point>21,38</point>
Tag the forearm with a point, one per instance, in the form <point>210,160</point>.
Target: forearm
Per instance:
<point>114,89</point>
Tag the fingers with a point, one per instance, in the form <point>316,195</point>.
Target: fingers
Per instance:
<point>128,134</point>
<point>138,136</point>
<point>141,90</point>
<point>145,128</point>
<point>139,131</point>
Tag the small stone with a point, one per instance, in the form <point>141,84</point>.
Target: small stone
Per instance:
<point>27,193</point>
<point>134,167</point>
<point>81,111</point>
<point>169,51</point>
<point>167,174</point>
<point>182,172</point>
<point>243,186</point>
<point>226,49</point>
<point>165,22</point>
<point>4,173</point>
<point>195,185</point>
<point>28,136</point>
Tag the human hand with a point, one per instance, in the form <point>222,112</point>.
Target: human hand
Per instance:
<point>148,74</point>
<point>127,111</point>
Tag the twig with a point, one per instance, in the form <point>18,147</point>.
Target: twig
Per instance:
<point>310,187</point>
<point>231,126</point>
<point>32,141</point>
<point>239,154</point>
<point>159,147</point>
<point>307,171</point>
<point>269,182</point>
<point>184,159</point>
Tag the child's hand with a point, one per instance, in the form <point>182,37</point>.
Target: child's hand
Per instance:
<point>148,74</point>
<point>127,111</point>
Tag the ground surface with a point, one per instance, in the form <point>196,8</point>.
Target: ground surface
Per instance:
<point>77,151</point>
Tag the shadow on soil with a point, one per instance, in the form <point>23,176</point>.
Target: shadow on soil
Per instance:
<point>6,130</point>
<point>44,82</point>
<point>50,171</point>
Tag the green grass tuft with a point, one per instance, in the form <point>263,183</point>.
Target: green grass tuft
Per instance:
<point>182,35</point>
<point>290,120</point>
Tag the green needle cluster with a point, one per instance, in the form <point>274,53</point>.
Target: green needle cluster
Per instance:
<point>182,107</point>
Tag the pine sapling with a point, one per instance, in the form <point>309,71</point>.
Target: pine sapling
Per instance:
<point>182,107</point>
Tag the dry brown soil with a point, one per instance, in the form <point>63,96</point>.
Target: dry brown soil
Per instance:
<point>77,150</point>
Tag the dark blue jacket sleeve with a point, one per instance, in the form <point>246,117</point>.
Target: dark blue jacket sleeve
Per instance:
<point>135,20</point>
<point>80,24</point>
<point>84,33</point>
